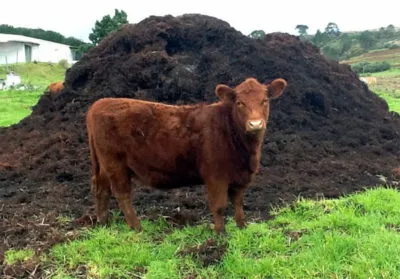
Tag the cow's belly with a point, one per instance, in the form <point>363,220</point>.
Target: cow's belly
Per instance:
<point>163,172</point>
<point>164,180</point>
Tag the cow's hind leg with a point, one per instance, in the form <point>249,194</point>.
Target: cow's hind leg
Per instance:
<point>121,187</point>
<point>100,184</point>
<point>102,192</point>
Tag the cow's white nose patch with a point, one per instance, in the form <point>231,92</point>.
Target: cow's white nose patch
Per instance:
<point>255,123</point>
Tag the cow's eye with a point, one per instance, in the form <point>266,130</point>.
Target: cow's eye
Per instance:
<point>264,103</point>
<point>240,104</point>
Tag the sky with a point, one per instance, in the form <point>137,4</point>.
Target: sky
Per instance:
<point>76,18</point>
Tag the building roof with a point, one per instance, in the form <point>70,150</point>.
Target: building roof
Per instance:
<point>4,38</point>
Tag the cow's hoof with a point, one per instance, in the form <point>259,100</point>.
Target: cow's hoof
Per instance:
<point>219,230</point>
<point>241,225</point>
<point>137,227</point>
<point>103,220</point>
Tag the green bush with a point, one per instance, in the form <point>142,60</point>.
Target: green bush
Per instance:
<point>331,51</point>
<point>394,46</point>
<point>359,67</point>
<point>355,50</point>
<point>366,67</point>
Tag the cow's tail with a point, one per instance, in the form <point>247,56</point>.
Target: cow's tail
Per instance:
<point>95,165</point>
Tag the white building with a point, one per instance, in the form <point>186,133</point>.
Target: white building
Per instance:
<point>20,49</point>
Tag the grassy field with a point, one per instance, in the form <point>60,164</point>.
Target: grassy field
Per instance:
<point>388,87</point>
<point>16,104</point>
<point>353,237</point>
<point>40,74</point>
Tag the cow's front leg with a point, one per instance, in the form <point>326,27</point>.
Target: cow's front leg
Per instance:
<point>217,200</point>
<point>236,197</point>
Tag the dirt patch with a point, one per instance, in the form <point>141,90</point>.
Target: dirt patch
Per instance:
<point>207,253</point>
<point>328,134</point>
<point>23,269</point>
<point>393,227</point>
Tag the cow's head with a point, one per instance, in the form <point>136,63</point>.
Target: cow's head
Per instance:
<point>250,102</point>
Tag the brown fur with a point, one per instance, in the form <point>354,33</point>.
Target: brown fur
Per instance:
<point>56,87</point>
<point>166,146</point>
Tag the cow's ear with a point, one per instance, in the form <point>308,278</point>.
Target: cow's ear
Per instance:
<point>224,92</point>
<point>275,88</point>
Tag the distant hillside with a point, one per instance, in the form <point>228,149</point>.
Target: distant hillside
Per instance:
<point>345,45</point>
<point>392,56</point>
<point>41,34</point>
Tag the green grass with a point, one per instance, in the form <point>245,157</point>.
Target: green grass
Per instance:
<point>352,237</point>
<point>393,72</point>
<point>392,98</point>
<point>388,88</point>
<point>16,104</point>
<point>40,74</point>
<point>62,219</point>
<point>12,256</point>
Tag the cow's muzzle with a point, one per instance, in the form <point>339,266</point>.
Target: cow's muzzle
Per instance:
<point>255,125</point>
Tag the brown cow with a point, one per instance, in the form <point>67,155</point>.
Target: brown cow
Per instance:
<point>56,87</point>
<point>167,146</point>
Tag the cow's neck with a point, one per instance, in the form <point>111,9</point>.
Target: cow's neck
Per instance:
<point>247,145</point>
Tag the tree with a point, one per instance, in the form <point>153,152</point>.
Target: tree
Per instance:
<point>83,48</point>
<point>390,31</point>
<point>257,34</point>
<point>345,43</point>
<point>107,25</point>
<point>319,38</point>
<point>302,29</point>
<point>332,29</point>
<point>367,40</point>
<point>380,33</point>
<point>390,28</point>
<point>40,34</point>
<point>73,41</point>
<point>331,51</point>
